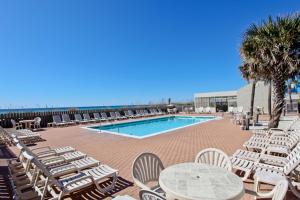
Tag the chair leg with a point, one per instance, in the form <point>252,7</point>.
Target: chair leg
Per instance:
<point>110,187</point>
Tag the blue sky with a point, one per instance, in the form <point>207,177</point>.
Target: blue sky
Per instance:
<point>82,53</point>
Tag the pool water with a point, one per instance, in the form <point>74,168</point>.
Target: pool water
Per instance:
<point>150,127</point>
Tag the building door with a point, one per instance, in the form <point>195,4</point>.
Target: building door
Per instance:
<point>221,104</point>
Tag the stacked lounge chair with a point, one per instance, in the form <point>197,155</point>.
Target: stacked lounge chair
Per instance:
<point>25,135</point>
<point>35,177</point>
<point>271,156</point>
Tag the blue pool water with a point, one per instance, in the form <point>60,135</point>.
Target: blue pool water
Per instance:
<point>150,127</point>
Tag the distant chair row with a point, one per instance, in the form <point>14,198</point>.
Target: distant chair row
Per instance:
<point>238,109</point>
<point>65,120</point>
<point>205,110</point>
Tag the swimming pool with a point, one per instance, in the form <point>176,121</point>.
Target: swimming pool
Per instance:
<point>150,127</point>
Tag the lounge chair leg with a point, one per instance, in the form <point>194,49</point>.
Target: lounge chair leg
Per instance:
<point>293,189</point>
<point>110,187</point>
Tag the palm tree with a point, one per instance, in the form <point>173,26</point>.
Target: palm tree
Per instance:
<point>270,53</point>
<point>270,100</point>
<point>289,90</point>
<point>252,97</point>
<point>245,72</point>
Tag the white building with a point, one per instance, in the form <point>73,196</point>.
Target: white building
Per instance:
<point>242,97</point>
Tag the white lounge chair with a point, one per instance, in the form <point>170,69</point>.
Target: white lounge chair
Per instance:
<point>130,112</point>
<point>267,163</point>
<point>271,174</point>
<point>104,116</point>
<point>214,157</point>
<point>57,121</point>
<point>119,116</point>
<point>207,110</point>
<point>161,112</point>
<point>77,182</point>
<point>87,118</point>
<point>66,119</point>
<point>78,119</point>
<point>126,113</point>
<point>240,109</point>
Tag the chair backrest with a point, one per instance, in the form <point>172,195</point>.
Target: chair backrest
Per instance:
<point>13,122</point>
<point>66,117</point>
<point>240,109</point>
<point>280,190</point>
<point>86,116</point>
<point>214,157</point>
<point>118,114</point>
<point>150,195</point>
<point>104,115</point>
<point>293,160</point>
<point>112,114</point>
<point>234,110</point>
<point>78,117</point>
<point>126,113</point>
<point>130,112</point>
<point>146,168</point>
<point>56,119</point>
<point>37,120</point>
<point>97,116</point>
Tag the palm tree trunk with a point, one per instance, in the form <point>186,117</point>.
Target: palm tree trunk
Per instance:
<point>252,98</point>
<point>270,100</point>
<point>290,96</point>
<point>279,91</point>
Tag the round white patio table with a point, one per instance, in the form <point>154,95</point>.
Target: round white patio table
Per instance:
<point>191,181</point>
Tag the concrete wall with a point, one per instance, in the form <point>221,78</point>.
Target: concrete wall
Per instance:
<point>261,96</point>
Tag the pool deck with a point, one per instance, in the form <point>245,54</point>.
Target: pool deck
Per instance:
<point>177,146</point>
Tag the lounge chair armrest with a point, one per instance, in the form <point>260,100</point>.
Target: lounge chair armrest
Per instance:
<point>55,159</point>
<point>46,152</point>
<point>276,129</point>
<point>268,167</point>
<point>9,161</point>
<point>85,177</point>
<point>276,160</point>
<point>45,147</point>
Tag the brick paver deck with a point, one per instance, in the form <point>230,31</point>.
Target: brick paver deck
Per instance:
<point>174,147</point>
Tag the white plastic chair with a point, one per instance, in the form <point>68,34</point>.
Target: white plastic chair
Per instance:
<point>37,123</point>
<point>16,125</point>
<point>145,169</point>
<point>149,195</point>
<point>214,157</point>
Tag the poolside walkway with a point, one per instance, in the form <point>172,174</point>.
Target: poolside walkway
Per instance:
<point>119,152</point>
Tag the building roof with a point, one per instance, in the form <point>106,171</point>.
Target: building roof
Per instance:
<point>217,94</point>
